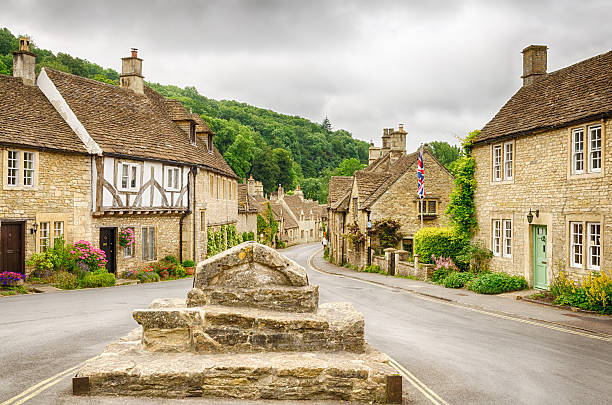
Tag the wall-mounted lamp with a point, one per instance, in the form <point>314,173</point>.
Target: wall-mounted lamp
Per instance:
<point>34,228</point>
<point>530,215</point>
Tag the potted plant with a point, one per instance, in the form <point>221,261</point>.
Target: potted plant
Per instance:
<point>189,266</point>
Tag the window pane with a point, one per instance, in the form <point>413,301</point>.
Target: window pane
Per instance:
<point>497,163</point>
<point>28,168</point>
<point>496,237</point>
<point>431,207</point>
<point>578,150</point>
<point>508,161</point>
<point>595,148</point>
<point>133,178</point>
<point>576,244</point>
<point>145,244</point>
<point>44,235</point>
<point>13,168</point>
<point>58,229</point>
<point>507,238</point>
<point>124,176</point>
<point>594,245</point>
<point>151,243</point>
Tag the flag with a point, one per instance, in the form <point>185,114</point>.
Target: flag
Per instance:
<point>420,176</point>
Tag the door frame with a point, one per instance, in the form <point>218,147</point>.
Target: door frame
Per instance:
<point>22,225</point>
<point>534,256</point>
<point>114,242</point>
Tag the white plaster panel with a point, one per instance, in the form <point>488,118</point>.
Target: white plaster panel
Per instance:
<point>109,170</point>
<point>107,198</point>
<point>146,197</point>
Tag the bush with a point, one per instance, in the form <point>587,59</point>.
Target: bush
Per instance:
<point>439,242</point>
<point>593,294</point>
<point>444,266</point>
<point>65,280</point>
<point>145,274</point>
<point>8,278</point>
<point>497,283</point>
<point>170,259</point>
<point>93,257</point>
<point>373,268</point>
<point>98,278</point>
<point>457,279</point>
<point>477,256</point>
<point>188,263</point>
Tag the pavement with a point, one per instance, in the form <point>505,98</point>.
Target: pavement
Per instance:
<point>510,304</point>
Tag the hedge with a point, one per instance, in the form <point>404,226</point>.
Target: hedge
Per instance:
<point>439,242</point>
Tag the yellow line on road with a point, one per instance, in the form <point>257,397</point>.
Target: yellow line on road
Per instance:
<point>415,382</point>
<point>40,387</point>
<point>466,307</point>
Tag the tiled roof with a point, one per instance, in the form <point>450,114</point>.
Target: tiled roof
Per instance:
<point>342,203</point>
<point>368,183</point>
<point>177,111</point>
<point>579,92</point>
<point>338,185</point>
<point>397,170</point>
<point>125,123</point>
<point>27,118</point>
<point>201,125</point>
<point>246,203</point>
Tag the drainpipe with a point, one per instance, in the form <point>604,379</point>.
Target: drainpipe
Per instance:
<point>194,170</point>
<point>342,256</point>
<point>368,228</point>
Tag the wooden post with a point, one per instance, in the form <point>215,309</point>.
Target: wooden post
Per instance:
<point>394,389</point>
<point>80,386</point>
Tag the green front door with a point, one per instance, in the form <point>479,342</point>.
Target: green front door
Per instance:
<point>539,257</point>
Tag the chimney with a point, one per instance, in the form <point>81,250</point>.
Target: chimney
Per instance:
<point>385,140</point>
<point>373,154</point>
<point>534,63</point>
<point>131,73</point>
<point>298,191</point>
<point>24,62</point>
<point>397,144</point>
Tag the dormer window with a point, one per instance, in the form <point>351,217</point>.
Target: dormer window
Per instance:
<point>192,133</point>
<point>210,143</point>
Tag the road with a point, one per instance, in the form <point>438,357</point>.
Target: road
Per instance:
<point>465,357</point>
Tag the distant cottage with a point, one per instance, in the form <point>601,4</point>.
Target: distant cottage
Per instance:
<point>83,159</point>
<point>543,168</point>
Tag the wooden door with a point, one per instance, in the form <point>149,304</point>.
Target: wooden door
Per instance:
<point>108,237</point>
<point>540,265</point>
<point>12,247</point>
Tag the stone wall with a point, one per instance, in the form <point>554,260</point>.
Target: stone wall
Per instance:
<point>380,262</point>
<point>247,222</point>
<point>408,269</point>
<point>542,180</point>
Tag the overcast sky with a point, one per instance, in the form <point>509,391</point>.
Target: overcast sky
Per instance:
<point>442,68</point>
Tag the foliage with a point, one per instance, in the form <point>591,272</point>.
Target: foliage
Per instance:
<point>267,225</point>
<point>65,280</point>
<point>326,252</point>
<point>476,255</point>
<point>445,152</point>
<point>387,232</point>
<point>594,293</point>
<point>348,167</point>
<point>188,263</point>
<point>461,210</point>
<point>93,257</point>
<point>248,236</point>
<point>444,266</point>
<point>13,290</point>
<point>225,238</point>
<point>457,279</point>
<point>438,242</point>
<point>170,259</point>
<point>97,278</point>
<point>168,268</point>
<point>9,278</point>
<point>496,283</point>
<point>58,258</point>
<point>126,237</point>
<point>373,268</point>
<point>145,274</point>
<point>354,234</point>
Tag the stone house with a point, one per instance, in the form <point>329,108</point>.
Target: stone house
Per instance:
<point>83,159</point>
<point>386,189</point>
<point>543,200</point>
<point>247,205</point>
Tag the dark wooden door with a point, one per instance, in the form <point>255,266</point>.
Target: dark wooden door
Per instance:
<point>12,247</point>
<point>108,236</point>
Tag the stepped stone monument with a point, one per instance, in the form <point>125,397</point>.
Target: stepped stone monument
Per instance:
<point>251,328</point>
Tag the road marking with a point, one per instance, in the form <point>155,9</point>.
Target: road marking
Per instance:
<point>465,307</point>
<point>416,383</point>
<point>40,387</point>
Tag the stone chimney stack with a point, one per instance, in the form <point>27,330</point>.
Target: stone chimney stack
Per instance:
<point>385,140</point>
<point>131,73</point>
<point>298,191</point>
<point>373,154</point>
<point>534,63</point>
<point>24,62</point>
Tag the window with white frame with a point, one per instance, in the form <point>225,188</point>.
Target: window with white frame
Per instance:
<point>576,244</point>
<point>497,158</point>
<point>28,168</point>
<point>173,178</point>
<point>129,176</point>
<point>496,244</point>
<point>58,229</point>
<point>578,151</point>
<point>594,245</point>
<point>595,148</point>
<point>148,243</point>
<point>44,230</point>
<point>13,168</point>
<point>507,238</point>
<point>508,161</point>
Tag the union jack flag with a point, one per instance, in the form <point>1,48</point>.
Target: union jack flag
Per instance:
<point>420,176</point>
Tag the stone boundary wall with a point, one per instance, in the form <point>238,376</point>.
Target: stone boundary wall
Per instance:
<point>422,271</point>
<point>380,262</point>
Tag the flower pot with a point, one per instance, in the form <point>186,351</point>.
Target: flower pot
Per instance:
<point>190,270</point>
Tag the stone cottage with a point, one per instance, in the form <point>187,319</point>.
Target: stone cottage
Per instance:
<point>386,189</point>
<point>83,159</point>
<point>543,200</point>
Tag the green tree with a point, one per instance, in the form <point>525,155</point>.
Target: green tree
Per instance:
<point>241,153</point>
<point>267,225</point>
<point>326,125</point>
<point>348,167</point>
<point>286,173</point>
<point>266,170</point>
<point>445,152</point>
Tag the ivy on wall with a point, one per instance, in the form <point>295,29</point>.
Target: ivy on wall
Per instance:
<point>225,238</point>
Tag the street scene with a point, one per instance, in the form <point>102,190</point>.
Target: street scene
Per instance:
<point>249,202</point>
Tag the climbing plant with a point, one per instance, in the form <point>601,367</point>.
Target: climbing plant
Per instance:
<point>225,238</point>
<point>354,235</point>
<point>267,225</point>
<point>387,232</point>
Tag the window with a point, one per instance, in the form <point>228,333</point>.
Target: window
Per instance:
<point>129,176</point>
<point>13,168</point>
<point>595,149</point>
<point>427,207</point>
<point>173,178</point>
<point>497,163</point>
<point>507,238</point>
<point>44,236</point>
<point>128,251</point>
<point>594,245</point>
<point>148,243</point>
<point>578,150</point>
<point>212,185</point>
<point>508,161</point>
<point>576,244</point>
<point>210,143</point>
<point>28,168</point>
<point>202,220</point>
<point>408,245</point>
<point>311,233</point>
<point>302,234</point>
<point>192,133</point>
<point>496,237</point>
<point>58,230</point>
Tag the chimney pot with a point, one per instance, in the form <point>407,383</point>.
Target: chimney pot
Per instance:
<point>134,52</point>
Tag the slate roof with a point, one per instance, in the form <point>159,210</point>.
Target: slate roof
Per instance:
<point>581,92</point>
<point>398,168</point>
<point>246,202</point>
<point>27,118</point>
<point>338,185</point>
<point>201,125</point>
<point>125,123</point>
<point>368,183</point>
<point>177,111</point>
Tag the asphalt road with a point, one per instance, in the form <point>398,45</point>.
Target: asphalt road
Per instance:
<point>465,357</point>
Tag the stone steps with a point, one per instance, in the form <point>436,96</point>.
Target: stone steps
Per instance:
<point>126,369</point>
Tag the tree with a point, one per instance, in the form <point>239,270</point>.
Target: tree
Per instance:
<point>286,173</point>
<point>326,125</point>
<point>348,167</point>
<point>266,170</point>
<point>445,152</point>
<point>267,225</point>
<point>241,153</point>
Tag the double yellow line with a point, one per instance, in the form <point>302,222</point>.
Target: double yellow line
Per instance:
<point>40,387</point>
<point>416,383</point>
